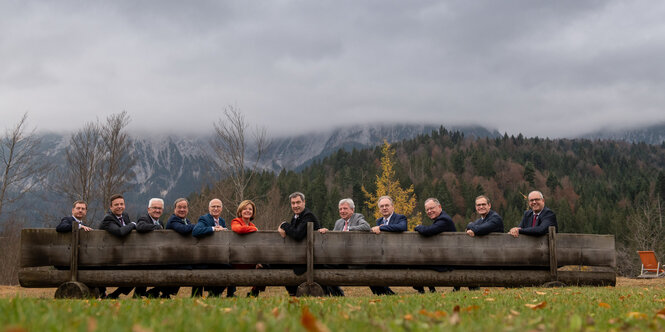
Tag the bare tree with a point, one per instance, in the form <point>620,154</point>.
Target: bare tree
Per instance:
<point>230,144</point>
<point>83,156</point>
<point>22,168</point>
<point>115,169</point>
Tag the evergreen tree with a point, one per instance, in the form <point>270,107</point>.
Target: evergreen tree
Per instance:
<point>387,184</point>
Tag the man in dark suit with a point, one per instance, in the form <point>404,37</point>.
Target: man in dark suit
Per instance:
<point>79,211</point>
<point>537,220</point>
<point>489,221</point>
<point>117,222</point>
<point>297,228</point>
<point>390,222</point>
<point>207,225</point>
<point>441,222</point>
<point>148,222</point>
<point>179,223</point>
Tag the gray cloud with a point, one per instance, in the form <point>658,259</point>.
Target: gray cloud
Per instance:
<point>541,68</point>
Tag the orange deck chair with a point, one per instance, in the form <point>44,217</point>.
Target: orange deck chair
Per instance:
<point>651,268</point>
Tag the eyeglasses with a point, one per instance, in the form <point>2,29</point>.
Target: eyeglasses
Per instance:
<point>156,208</point>
<point>535,200</point>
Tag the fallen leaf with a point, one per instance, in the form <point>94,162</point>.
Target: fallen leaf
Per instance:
<point>139,328</point>
<point>375,301</point>
<point>92,324</point>
<point>454,318</point>
<point>541,293</point>
<point>490,299</point>
<point>470,308</point>
<point>661,312</point>
<point>310,323</point>
<point>260,327</point>
<point>540,305</point>
<point>514,312</point>
<point>275,312</point>
<point>408,317</point>
<point>637,315</point>
<point>293,300</point>
<point>225,309</point>
<point>201,303</point>
<point>604,305</point>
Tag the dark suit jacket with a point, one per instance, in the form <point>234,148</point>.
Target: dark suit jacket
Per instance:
<point>397,223</point>
<point>442,223</point>
<point>145,224</point>
<point>65,225</point>
<point>205,224</point>
<point>545,219</point>
<point>182,226</point>
<point>297,228</point>
<point>492,223</point>
<point>112,225</point>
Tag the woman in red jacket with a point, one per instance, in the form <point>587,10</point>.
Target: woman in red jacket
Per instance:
<point>243,225</point>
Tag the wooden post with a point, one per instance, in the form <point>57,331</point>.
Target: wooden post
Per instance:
<point>73,289</point>
<point>551,233</point>
<point>74,261</point>
<point>310,288</point>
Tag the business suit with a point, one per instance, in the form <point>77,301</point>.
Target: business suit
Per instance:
<point>145,223</point>
<point>545,219</point>
<point>442,223</point>
<point>111,223</point>
<point>357,222</point>
<point>492,223</point>
<point>65,225</point>
<point>396,223</point>
<point>181,225</point>
<point>204,227</point>
<point>297,230</point>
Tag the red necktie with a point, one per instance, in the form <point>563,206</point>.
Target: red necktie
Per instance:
<point>535,216</point>
<point>346,226</point>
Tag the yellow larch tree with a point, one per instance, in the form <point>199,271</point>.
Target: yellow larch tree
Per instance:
<point>387,184</point>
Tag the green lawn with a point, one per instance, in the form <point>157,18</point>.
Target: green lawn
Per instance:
<point>564,309</point>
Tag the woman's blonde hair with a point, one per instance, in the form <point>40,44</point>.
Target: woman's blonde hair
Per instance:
<point>242,206</point>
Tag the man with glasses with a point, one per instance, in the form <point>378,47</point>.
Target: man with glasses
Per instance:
<point>208,224</point>
<point>537,220</point>
<point>148,222</point>
<point>489,221</point>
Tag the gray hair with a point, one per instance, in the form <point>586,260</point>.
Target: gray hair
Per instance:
<point>432,199</point>
<point>537,192</point>
<point>297,194</point>
<point>153,200</point>
<point>384,197</point>
<point>220,202</point>
<point>347,201</point>
<point>181,199</point>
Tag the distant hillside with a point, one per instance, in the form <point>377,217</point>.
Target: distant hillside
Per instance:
<point>654,134</point>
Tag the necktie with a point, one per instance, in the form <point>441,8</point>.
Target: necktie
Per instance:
<point>346,226</point>
<point>385,221</point>
<point>121,221</point>
<point>216,222</point>
<point>535,216</point>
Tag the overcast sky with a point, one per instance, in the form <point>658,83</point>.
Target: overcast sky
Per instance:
<point>546,68</point>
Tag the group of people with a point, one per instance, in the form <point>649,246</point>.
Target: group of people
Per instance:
<point>535,221</point>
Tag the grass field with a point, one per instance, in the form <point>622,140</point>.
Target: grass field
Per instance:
<point>636,307</point>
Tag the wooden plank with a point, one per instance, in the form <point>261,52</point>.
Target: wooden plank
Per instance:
<point>344,277</point>
<point>73,264</point>
<point>45,247</point>
<point>551,234</point>
<point>310,252</point>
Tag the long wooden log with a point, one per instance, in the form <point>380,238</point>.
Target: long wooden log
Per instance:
<point>45,247</point>
<point>598,276</point>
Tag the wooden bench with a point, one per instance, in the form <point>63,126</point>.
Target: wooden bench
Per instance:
<point>160,258</point>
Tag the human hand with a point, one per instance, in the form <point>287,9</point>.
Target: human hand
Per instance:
<point>323,230</point>
<point>86,228</point>
<point>376,229</point>
<point>515,231</point>
<point>281,232</point>
<point>470,232</point>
